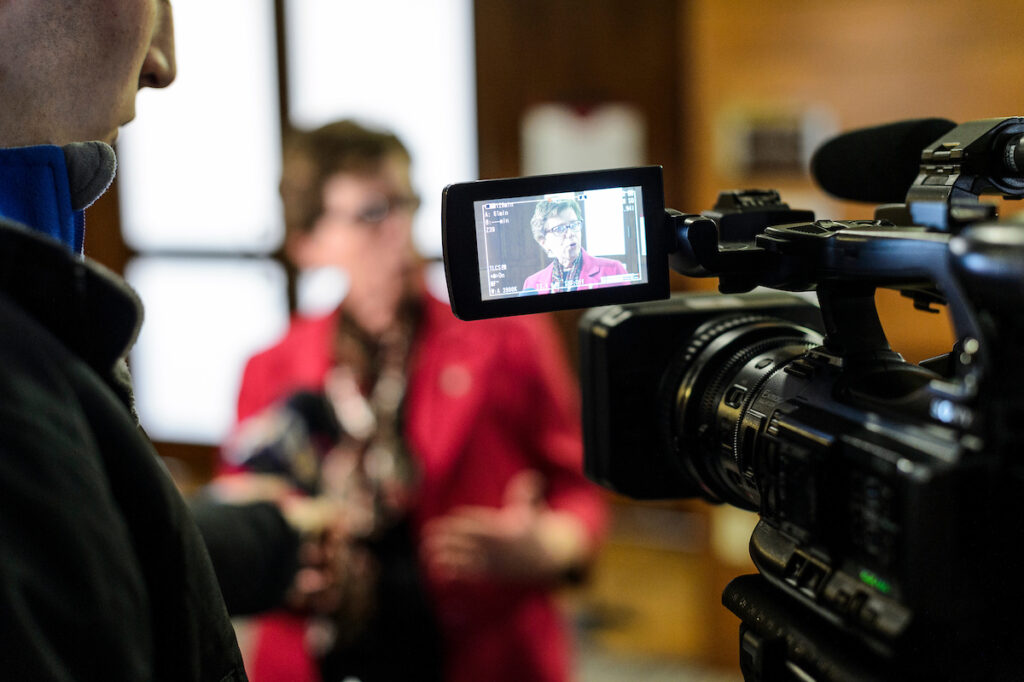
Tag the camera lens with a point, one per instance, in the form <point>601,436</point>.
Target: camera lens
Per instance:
<point>723,387</point>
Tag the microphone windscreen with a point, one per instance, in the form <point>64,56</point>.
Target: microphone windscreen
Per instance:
<point>876,165</point>
<point>287,439</point>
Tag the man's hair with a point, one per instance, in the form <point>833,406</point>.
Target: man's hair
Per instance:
<point>312,157</point>
<point>551,207</point>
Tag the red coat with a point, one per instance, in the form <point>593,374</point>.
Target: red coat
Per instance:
<point>485,401</point>
<point>592,270</point>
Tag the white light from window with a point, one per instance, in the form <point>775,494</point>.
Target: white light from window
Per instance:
<point>406,65</point>
<point>203,319</point>
<point>605,233</point>
<point>198,169</point>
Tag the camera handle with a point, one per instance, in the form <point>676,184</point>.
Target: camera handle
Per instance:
<point>852,327</point>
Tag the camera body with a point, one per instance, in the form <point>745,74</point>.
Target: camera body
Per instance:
<point>886,490</point>
<point>875,514</point>
<point>877,492</point>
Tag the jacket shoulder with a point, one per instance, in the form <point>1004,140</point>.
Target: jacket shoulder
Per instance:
<point>606,264</point>
<point>298,360</point>
<point>302,333</point>
<point>539,279</point>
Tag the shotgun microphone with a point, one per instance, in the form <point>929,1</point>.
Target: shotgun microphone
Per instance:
<point>879,164</point>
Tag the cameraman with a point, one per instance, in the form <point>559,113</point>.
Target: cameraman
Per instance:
<point>103,574</point>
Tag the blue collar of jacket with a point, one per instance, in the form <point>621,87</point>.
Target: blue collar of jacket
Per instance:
<point>47,187</point>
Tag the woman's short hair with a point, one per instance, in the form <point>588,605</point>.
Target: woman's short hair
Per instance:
<point>551,207</point>
<point>312,157</point>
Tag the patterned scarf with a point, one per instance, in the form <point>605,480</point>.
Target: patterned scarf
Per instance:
<point>345,443</point>
<point>370,465</point>
<point>568,280</point>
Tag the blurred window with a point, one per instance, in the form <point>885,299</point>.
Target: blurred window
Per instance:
<point>198,173</point>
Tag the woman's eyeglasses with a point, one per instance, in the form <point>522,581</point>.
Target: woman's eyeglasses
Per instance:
<point>560,230</point>
<point>377,211</point>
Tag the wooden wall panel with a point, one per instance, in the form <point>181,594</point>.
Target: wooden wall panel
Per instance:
<point>577,53</point>
<point>581,54</point>
<point>867,62</point>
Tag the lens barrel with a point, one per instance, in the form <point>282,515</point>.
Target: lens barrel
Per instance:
<point>731,365</point>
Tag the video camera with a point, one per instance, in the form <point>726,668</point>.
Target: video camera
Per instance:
<point>888,531</point>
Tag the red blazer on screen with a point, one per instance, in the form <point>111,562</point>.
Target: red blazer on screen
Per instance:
<point>592,270</point>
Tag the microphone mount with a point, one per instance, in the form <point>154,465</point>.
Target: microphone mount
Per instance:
<point>974,158</point>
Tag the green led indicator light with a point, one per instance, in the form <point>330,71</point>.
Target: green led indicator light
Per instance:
<point>869,578</point>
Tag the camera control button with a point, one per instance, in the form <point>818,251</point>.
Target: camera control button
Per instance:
<point>734,396</point>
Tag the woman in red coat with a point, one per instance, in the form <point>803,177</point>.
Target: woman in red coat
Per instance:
<point>466,433</point>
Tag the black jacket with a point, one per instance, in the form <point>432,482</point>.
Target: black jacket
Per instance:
<point>103,575</point>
